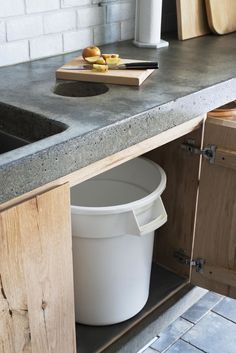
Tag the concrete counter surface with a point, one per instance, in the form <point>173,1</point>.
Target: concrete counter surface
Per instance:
<point>194,77</point>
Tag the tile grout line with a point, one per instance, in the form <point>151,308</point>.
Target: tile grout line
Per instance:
<point>224,317</point>
<point>193,345</point>
<point>148,345</point>
<point>187,320</point>
<point>177,338</point>
<point>193,324</point>
<point>207,312</point>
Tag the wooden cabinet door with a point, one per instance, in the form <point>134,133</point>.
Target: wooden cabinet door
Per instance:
<point>36,281</point>
<point>215,227</point>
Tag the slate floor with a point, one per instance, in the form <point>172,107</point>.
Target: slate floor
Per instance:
<point>209,326</point>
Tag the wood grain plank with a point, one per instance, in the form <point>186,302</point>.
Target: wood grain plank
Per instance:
<point>182,170</point>
<point>221,15</point>
<point>215,237</point>
<point>191,19</point>
<point>225,158</point>
<point>36,275</point>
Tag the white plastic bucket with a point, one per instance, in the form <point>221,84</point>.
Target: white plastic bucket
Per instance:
<point>114,216</point>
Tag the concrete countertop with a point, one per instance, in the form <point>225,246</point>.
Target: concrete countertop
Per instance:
<point>195,76</point>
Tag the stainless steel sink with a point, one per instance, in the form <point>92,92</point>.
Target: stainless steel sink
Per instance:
<point>19,127</point>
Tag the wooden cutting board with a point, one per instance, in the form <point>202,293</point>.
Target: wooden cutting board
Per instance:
<point>191,18</point>
<point>221,15</point>
<point>118,77</point>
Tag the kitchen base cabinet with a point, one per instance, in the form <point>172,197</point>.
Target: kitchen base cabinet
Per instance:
<point>196,245</point>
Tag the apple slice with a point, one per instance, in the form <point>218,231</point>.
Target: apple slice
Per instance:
<point>106,56</point>
<point>101,61</point>
<point>99,68</point>
<point>92,59</point>
<point>112,61</point>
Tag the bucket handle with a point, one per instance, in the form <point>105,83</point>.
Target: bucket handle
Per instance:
<point>160,218</point>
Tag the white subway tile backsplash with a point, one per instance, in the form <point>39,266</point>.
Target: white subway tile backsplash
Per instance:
<point>78,40</point>
<point>67,3</point>
<point>107,33</point>
<point>11,8</point>
<point>41,5</point>
<point>24,27</point>
<point>127,30</point>
<point>59,21</point>
<point>14,52</point>
<point>46,46</point>
<point>120,12</point>
<point>91,16</point>
<point>2,32</point>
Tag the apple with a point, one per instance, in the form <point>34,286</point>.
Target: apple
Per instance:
<point>91,51</point>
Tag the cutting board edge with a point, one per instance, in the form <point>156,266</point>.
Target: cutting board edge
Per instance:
<point>133,81</point>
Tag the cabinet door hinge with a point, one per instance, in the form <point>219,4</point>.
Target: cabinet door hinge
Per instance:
<point>186,260</point>
<point>209,152</point>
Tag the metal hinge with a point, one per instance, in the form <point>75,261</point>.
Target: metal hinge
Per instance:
<point>186,260</point>
<point>209,152</point>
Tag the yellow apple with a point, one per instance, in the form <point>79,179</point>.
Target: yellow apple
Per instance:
<point>91,51</point>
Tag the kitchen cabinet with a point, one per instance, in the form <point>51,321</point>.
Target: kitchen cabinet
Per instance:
<point>196,245</point>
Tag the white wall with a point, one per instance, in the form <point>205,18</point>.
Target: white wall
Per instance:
<point>31,29</point>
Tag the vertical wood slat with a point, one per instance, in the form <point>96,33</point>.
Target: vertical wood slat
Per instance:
<point>191,19</point>
<point>36,296</point>
<point>215,236</point>
<point>179,198</point>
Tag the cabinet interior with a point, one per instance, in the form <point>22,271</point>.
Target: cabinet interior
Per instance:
<point>168,275</point>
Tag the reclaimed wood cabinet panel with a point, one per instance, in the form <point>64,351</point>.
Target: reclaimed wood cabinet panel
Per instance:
<point>36,282</point>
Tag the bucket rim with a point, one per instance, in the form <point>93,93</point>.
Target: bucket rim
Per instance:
<point>130,205</point>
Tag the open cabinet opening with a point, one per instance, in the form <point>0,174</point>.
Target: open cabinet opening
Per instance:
<point>201,210</point>
<point>168,276</point>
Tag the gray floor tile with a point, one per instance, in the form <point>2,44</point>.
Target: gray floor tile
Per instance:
<point>227,308</point>
<point>149,350</point>
<point>182,347</point>
<point>198,310</point>
<point>213,334</point>
<point>168,336</point>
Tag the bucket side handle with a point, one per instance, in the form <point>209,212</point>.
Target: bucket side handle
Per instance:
<point>159,218</point>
